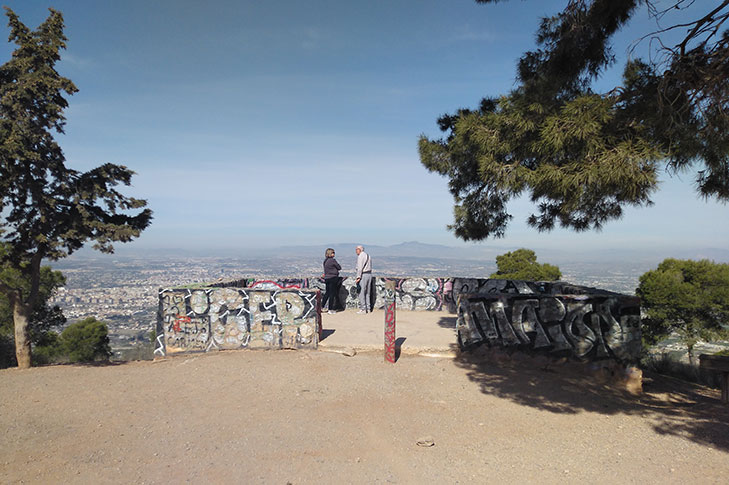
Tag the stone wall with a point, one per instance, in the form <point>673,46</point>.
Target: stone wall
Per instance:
<point>555,318</point>
<point>548,317</point>
<point>217,318</point>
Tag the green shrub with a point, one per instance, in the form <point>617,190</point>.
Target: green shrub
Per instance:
<point>522,265</point>
<point>47,350</point>
<point>86,341</point>
<point>7,352</point>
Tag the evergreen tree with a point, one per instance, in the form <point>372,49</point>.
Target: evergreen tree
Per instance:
<point>687,297</point>
<point>522,265</point>
<point>582,156</point>
<point>49,210</point>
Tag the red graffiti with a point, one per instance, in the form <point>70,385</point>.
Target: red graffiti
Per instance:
<point>319,323</point>
<point>390,332</point>
<point>180,319</point>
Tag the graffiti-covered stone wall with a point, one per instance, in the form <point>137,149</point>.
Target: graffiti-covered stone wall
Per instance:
<point>410,293</point>
<point>556,318</point>
<point>205,319</point>
<point>553,317</point>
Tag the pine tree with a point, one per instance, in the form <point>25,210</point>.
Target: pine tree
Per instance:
<point>688,297</point>
<point>49,210</point>
<point>583,156</point>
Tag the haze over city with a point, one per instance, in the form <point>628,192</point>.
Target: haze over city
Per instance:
<point>265,124</point>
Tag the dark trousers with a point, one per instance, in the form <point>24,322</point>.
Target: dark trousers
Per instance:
<point>331,293</point>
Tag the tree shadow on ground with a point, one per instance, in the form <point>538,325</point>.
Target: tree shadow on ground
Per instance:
<point>447,322</point>
<point>671,406</point>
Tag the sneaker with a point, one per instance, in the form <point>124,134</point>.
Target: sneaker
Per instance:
<point>361,312</point>
<point>331,312</point>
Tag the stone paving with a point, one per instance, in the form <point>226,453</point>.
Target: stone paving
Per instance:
<point>417,332</point>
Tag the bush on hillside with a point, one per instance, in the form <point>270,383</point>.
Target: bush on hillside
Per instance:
<point>86,341</point>
<point>522,265</point>
<point>47,350</point>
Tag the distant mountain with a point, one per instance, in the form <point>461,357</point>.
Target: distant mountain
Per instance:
<point>416,249</point>
<point>406,249</point>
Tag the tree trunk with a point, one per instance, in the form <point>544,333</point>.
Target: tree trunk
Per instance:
<point>21,317</point>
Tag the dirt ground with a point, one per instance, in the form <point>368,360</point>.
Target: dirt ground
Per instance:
<point>312,417</point>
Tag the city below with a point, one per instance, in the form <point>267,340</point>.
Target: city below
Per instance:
<point>122,289</point>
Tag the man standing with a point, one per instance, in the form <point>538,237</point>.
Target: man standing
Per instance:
<point>364,280</point>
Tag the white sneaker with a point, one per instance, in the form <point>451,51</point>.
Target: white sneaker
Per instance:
<point>331,312</point>
<point>361,312</point>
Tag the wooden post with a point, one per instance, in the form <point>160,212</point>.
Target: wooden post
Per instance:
<point>319,322</point>
<point>390,321</point>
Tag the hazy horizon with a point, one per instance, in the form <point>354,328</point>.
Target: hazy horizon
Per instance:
<point>264,124</point>
<point>415,249</point>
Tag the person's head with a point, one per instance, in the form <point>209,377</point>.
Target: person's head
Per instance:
<point>359,249</point>
<point>329,253</point>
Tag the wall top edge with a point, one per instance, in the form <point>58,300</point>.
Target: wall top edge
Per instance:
<point>552,288</point>
<point>567,296</point>
<point>205,288</point>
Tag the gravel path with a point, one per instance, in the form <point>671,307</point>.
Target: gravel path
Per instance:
<point>313,417</point>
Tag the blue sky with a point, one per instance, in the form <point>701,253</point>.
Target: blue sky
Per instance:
<point>283,122</point>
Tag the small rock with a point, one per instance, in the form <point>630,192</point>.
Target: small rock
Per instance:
<point>349,352</point>
<point>426,442</point>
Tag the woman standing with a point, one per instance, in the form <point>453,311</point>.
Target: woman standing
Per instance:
<point>332,281</point>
